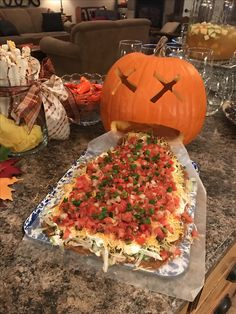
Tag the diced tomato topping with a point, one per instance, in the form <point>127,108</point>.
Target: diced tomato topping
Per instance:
<point>195,233</point>
<point>83,183</point>
<point>108,220</point>
<point>177,252</point>
<point>159,233</point>
<point>121,233</point>
<point>66,233</point>
<point>164,255</point>
<point>123,192</point>
<point>127,217</point>
<point>91,167</point>
<point>122,206</point>
<point>185,216</point>
<point>140,240</point>
<point>169,228</point>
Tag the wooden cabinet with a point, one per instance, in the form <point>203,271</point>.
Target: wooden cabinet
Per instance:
<point>219,288</point>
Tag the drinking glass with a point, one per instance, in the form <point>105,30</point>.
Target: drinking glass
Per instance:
<point>149,49</point>
<point>221,85</point>
<point>218,92</point>
<point>202,59</point>
<point>174,50</point>
<point>127,46</point>
<point>183,33</point>
<point>215,96</point>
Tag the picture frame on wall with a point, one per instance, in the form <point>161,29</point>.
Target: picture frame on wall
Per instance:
<point>19,3</point>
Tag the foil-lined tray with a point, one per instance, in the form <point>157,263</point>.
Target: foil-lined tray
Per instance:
<point>173,268</point>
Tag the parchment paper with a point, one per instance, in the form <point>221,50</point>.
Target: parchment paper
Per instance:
<point>187,285</point>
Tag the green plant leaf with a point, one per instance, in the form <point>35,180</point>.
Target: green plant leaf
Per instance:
<point>4,152</point>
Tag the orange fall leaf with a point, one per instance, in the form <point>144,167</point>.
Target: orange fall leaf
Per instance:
<point>5,190</point>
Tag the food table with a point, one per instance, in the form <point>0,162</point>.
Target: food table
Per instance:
<point>33,278</point>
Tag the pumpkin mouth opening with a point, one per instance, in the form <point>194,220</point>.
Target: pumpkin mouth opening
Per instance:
<point>157,129</point>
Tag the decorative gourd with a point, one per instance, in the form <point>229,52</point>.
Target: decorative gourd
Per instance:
<point>164,91</point>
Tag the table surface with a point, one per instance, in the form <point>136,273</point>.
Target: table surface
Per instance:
<point>34,280</point>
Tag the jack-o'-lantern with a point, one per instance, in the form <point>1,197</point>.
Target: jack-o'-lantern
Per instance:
<point>151,90</point>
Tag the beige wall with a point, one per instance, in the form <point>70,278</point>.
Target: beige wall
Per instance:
<point>70,5</point>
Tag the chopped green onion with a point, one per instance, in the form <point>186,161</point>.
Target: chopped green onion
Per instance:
<point>151,211</point>
<point>169,189</point>
<point>152,201</point>
<point>115,194</point>
<point>138,146</point>
<point>147,221</point>
<point>76,202</point>
<point>133,166</point>
<point>129,207</point>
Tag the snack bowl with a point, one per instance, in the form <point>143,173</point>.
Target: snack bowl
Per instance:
<point>84,91</point>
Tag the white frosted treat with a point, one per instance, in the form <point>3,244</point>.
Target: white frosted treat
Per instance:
<point>17,68</point>
<point>26,52</point>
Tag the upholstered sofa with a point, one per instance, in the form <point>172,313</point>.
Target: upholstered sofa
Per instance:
<point>93,46</point>
<point>28,23</point>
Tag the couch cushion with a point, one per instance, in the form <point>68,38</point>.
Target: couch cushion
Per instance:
<point>17,39</point>
<point>169,27</point>
<point>52,22</point>
<point>36,37</point>
<point>7,28</point>
<point>20,18</point>
<point>137,28</point>
<point>37,18</point>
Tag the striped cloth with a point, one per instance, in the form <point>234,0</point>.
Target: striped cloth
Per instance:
<point>51,93</point>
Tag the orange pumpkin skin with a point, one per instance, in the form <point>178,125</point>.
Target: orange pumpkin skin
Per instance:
<point>136,90</point>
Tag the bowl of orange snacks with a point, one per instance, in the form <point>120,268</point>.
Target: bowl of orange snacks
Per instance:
<point>84,91</point>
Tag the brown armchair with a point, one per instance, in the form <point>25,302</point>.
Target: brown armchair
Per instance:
<point>93,46</point>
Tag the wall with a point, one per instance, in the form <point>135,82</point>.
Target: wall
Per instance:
<point>188,4</point>
<point>70,5</point>
<point>169,5</point>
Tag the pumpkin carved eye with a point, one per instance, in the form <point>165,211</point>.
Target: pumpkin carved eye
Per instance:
<point>167,86</point>
<point>123,79</point>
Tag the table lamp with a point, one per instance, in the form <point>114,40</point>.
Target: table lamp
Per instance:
<point>61,9</point>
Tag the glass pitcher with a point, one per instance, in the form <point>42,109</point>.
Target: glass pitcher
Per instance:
<point>213,25</point>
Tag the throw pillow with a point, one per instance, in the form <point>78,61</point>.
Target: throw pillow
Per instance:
<point>7,28</point>
<point>52,22</point>
<point>100,15</point>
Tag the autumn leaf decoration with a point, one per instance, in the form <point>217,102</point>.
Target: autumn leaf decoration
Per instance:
<point>8,171</point>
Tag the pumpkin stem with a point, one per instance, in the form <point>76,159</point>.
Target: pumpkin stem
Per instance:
<point>160,47</point>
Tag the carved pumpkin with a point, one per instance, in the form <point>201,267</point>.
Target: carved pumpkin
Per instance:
<point>164,91</point>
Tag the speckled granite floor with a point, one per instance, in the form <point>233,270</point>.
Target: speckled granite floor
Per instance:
<point>37,279</point>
